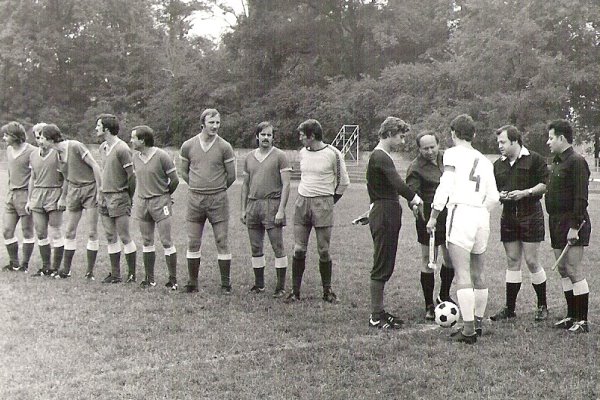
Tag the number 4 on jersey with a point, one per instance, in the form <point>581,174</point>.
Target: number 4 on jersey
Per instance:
<point>473,177</point>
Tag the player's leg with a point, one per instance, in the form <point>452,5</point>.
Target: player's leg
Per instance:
<point>114,248</point>
<point>513,279</point>
<point>567,287</point>
<point>576,272</point>
<point>129,247</point>
<point>538,278</point>
<point>164,233</point>
<point>194,233</point>
<point>301,236</point>
<point>427,282</point>
<point>93,243</point>
<point>256,234</point>
<point>480,291</point>
<point>276,239</point>
<point>148,251</point>
<point>221,233</point>
<point>28,240</point>
<point>72,218</point>
<point>55,232</point>
<point>323,235</point>
<point>464,287</point>
<point>40,222</point>
<point>446,276</point>
<point>9,223</point>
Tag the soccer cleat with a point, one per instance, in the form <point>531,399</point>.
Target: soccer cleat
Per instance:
<point>460,337</point>
<point>479,326</point>
<point>503,314</point>
<point>579,327</point>
<point>52,273</point>
<point>541,313</point>
<point>292,298</point>
<point>565,323</point>
<point>190,288</point>
<point>257,289</point>
<point>40,272</point>
<point>146,284</point>
<point>329,296</point>
<point>381,323</point>
<point>278,293</point>
<point>112,279</point>
<point>439,300</point>
<point>226,290</point>
<point>90,276</point>
<point>24,268</point>
<point>171,285</point>
<point>130,278</point>
<point>429,313</point>
<point>11,267</point>
<point>394,321</point>
<point>62,275</point>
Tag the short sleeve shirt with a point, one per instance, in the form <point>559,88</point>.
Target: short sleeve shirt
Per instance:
<point>18,166</point>
<point>207,173</point>
<point>117,158</point>
<point>265,175</point>
<point>78,171</point>
<point>152,172</point>
<point>46,169</point>
<point>528,170</point>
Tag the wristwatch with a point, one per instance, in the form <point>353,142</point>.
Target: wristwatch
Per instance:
<point>530,191</point>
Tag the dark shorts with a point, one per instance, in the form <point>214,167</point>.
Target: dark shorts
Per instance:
<point>214,207</point>
<point>440,227</point>
<point>16,201</point>
<point>314,211</point>
<point>44,200</point>
<point>522,226</point>
<point>385,220</point>
<point>114,205</point>
<point>559,225</point>
<point>261,213</point>
<point>81,197</point>
<point>154,209</point>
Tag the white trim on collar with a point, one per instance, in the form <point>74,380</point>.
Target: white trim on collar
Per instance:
<point>522,153</point>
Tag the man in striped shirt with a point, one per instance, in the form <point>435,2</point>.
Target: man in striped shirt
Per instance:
<point>114,204</point>
<point>323,181</point>
<point>208,167</point>
<point>156,179</point>
<point>17,155</point>
<point>83,178</point>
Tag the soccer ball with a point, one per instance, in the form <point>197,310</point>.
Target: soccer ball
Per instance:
<point>446,314</point>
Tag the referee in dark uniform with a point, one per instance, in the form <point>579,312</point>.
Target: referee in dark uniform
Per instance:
<point>384,185</point>
<point>566,204</point>
<point>423,177</point>
<point>521,177</point>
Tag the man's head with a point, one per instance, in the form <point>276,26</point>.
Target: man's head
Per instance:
<point>394,130</point>
<point>37,132</point>
<point>107,123</point>
<point>142,136</point>
<point>560,135</point>
<point>210,121</point>
<point>463,128</point>
<point>509,141</point>
<point>310,130</point>
<point>52,134</point>
<point>428,144</point>
<point>13,133</point>
<point>264,135</point>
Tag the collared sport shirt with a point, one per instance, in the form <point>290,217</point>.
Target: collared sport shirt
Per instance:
<point>423,176</point>
<point>568,186</point>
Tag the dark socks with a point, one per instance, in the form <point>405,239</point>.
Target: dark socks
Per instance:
<point>193,269</point>
<point>68,260</point>
<point>570,304</point>
<point>446,278</point>
<point>512,290</point>
<point>280,278</point>
<point>13,253</point>
<point>91,260</point>
<point>540,291</point>
<point>130,259</point>
<point>298,265</point>
<point>225,270</point>
<point>171,261</point>
<point>149,258</point>
<point>427,284</point>
<point>326,268</point>
<point>45,253</point>
<point>259,277</point>
<point>115,264</point>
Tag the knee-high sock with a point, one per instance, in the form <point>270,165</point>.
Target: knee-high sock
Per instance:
<point>538,280</point>
<point>581,293</point>
<point>481,299</point>
<point>114,254</point>
<point>28,244</point>
<point>171,261</point>
<point>130,251</point>
<point>326,270</point>
<point>298,265</point>
<point>149,257</point>
<point>466,301</point>
<point>70,247</point>
<point>427,284</point>
<point>446,278</point>
<point>224,261</point>
<point>513,285</point>
<point>45,252</point>
<point>280,269</point>
<point>91,253</point>
<point>376,289</point>
<point>567,287</point>
<point>258,266</point>
<point>12,248</point>
<point>193,262</point>
<point>59,250</point>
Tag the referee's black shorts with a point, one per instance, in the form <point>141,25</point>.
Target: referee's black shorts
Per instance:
<point>560,224</point>
<point>522,224</point>
<point>440,228</point>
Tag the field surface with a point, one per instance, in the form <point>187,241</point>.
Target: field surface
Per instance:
<point>73,339</point>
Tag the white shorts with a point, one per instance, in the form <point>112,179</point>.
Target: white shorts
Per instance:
<point>468,227</point>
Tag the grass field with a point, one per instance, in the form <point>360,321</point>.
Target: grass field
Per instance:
<point>73,339</point>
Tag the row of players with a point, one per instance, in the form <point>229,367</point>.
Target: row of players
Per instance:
<point>462,181</point>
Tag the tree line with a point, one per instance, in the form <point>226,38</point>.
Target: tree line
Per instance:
<point>522,62</point>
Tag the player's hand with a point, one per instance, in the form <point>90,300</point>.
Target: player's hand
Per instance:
<point>362,219</point>
<point>62,204</point>
<point>503,195</point>
<point>279,217</point>
<point>517,195</point>
<point>431,225</point>
<point>28,208</point>
<point>243,217</point>
<point>572,236</point>
<point>415,211</point>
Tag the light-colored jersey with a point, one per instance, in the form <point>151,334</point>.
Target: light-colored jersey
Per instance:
<point>207,173</point>
<point>322,172</point>
<point>18,166</point>
<point>46,170</point>
<point>117,158</point>
<point>78,172</point>
<point>468,179</point>
<point>264,174</point>
<point>152,172</point>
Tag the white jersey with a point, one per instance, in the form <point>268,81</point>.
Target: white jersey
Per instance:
<point>468,179</point>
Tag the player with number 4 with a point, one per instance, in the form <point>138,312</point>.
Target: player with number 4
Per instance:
<point>468,190</point>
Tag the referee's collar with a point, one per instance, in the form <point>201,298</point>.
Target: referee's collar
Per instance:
<point>522,153</point>
<point>439,158</point>
<point>564,155</point>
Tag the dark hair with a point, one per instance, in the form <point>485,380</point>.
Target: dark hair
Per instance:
<point>464,127</point>
<point>512,133</point>
<point>52,133</point>
<point>110,122</point>
<point>261,127</point>
<point>14,129</point>
<point>145,134</point>
<point>209,112</point>
<point>562,127</point>
<point>312,129</point>
<point>426,133</point>
<point>392,126</point>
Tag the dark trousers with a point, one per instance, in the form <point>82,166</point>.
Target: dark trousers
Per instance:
<point>384,222</point>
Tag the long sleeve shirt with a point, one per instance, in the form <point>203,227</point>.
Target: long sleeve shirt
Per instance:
<point>383,181</point>
<point>423,176</point>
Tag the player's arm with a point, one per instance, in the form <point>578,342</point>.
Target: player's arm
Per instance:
<point>344,177</point>
<point>89,160</point>
<point>492,196</point>
<point>230,171</point>
<point>184,165</point>
<point>389,170</point>
<point>29,190</point>
<point>244,197</point>
<point>442,193</point>
<point>285,195</point>
<point>580,173</point>
<point>62,201</point>
<point>131,182</point>
<point>173,181</point>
